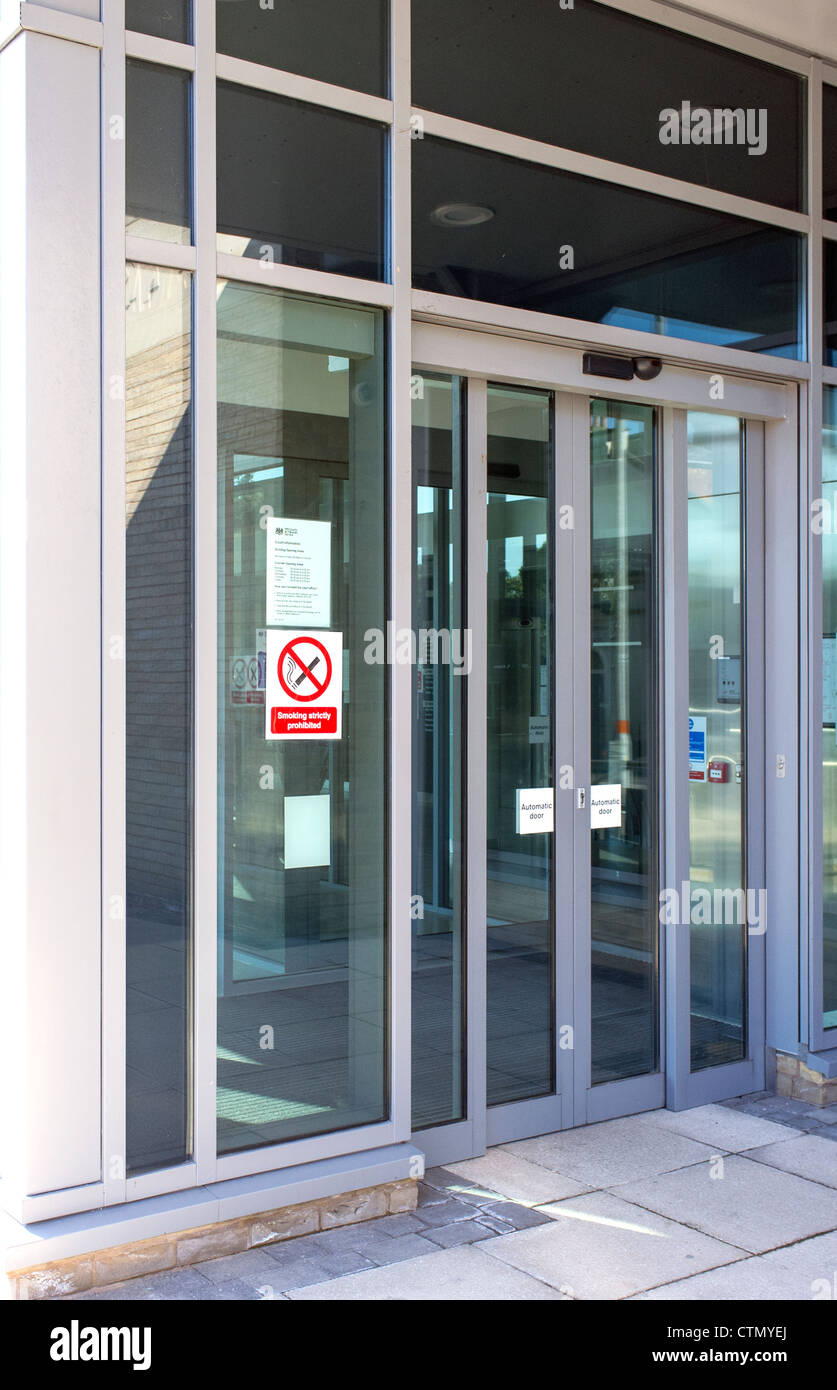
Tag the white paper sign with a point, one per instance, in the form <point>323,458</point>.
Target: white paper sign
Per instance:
<point>298,572</point>
<point>539,728</point>
<point>534,811</point>
<point>605,805</point>
<point>304,677</point>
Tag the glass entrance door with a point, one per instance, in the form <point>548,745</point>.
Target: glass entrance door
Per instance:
<point>624,770</point>
<point>519,796</point>
<point>581,591</point>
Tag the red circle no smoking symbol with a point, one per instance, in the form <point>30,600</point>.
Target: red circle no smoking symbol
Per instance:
<point>304,668</point>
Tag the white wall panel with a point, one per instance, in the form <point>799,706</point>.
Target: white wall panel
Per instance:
<point>807,24</point>
<point>51,602</point>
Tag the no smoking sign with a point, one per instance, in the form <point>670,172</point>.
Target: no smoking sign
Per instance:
<point>304,685</point>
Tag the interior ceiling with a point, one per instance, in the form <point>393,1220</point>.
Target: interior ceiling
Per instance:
<point>595,80</point>
<point>631,250</point>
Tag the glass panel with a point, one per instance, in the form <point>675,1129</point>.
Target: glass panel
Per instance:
<point>166,19</point>
<point>624,740</point>
<point>443,657</point>
<point>303,825</point>
<point>829,151</point>
<point>831,303</point>
<point>490,228</point>
<point>591,79</point>
<point>829,713</point>
<point>717,730</point>
<point>158,713</point>
<point>520,785</point>
<point>326,39</point>
<point>157,170</point>
<point>269,205</point>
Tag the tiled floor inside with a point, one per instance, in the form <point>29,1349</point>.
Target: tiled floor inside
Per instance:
<point>729,1201</point>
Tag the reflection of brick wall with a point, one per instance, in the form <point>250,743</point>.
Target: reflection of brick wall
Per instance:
<point>158,628</point>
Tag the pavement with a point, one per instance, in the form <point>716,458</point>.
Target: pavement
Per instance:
<point>729,1201</point>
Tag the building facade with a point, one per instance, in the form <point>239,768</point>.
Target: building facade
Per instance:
<point>414,418</point>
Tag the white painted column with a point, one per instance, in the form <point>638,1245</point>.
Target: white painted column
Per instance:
<point>50,637</point>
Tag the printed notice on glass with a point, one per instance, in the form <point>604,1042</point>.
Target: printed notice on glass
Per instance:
<point>606,805</point>
<point>303,695</point>
<point>534,812</point>
<point>829,679</point>
<point>697,748</point>
<point>298,572</point>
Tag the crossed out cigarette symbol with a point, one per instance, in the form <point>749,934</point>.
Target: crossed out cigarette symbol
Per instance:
<point>296,670</point>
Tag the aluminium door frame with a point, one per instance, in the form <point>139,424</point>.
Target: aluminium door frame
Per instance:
<point>686,1088</point>
<point>480,356</point>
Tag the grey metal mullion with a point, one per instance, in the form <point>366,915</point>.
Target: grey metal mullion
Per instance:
<point>756,756</point>
<point>458,618</point>
<point>114,960</point>
<point>813,1001</point>
<point>208,808</point>
<point>676,767</point>
<point>475,830</point>
<point>563,702</point>
<point>582,897</point>
<point>400,496</point>
<point>811,964</point>
<point>659,761</point>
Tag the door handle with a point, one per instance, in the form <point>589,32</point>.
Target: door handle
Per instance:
<point>581,798</point>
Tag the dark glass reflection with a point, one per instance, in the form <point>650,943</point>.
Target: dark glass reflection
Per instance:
<point>300,185</point>
<point>158,713</point>
<point>519,747</point>
<point>624,739</point>
<point>165,19</point>
<point>592,79</point>
<point>157,174</point>
<point>829,152</point>
<point>562,244</point>
<point>438,1015</point>
<point>331,40</point>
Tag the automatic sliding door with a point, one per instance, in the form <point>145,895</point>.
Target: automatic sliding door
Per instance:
<point>520,873</point>
<point>438,945</point>
<point>624,742</point>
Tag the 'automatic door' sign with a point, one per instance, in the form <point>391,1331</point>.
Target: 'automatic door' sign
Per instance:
<point>304,685</point>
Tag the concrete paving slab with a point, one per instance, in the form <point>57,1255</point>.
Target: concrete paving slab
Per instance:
<point>170,1285</point>
<point>808,1156</point>
<point>253,1266</point>
<point>613,1152</point>
<point>402,1224</point>
<point>718,1125</point>
<point>798,1273</point>
<point>599,1246</point>
<point>292,1270</point>
<point>445,1212</point>
<point>464,1274</point>
<point>747,1204</point>
<point>460,1233</point>
<point>392,1250</point>
<point>517,1178</point>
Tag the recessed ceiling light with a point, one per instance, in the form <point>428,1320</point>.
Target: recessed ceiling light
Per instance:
<point>460,215</point>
